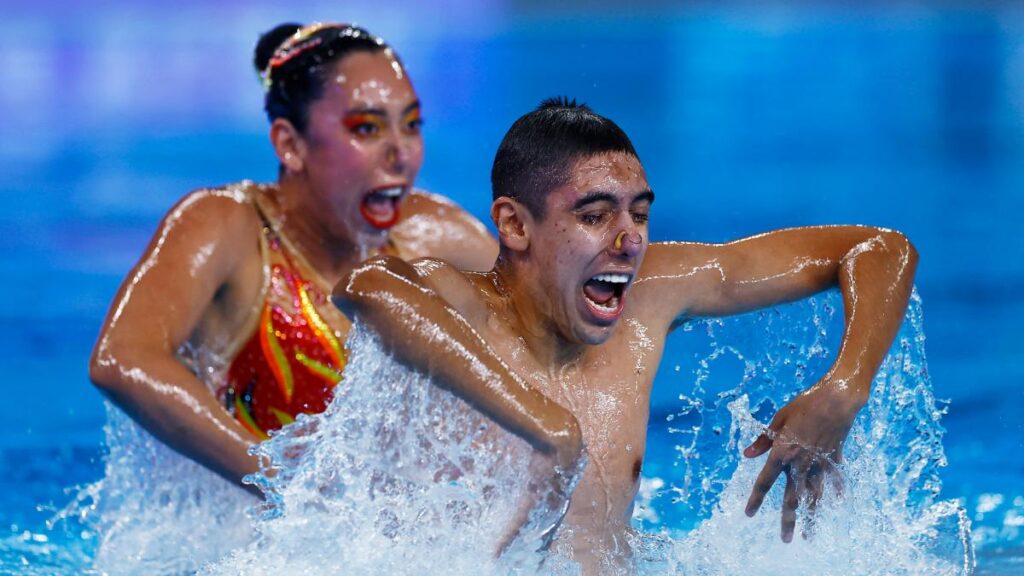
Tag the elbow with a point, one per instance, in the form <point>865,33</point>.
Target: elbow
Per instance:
<point>342,297</point>
<point>102,371</point>
<point>897,244</point>
<point>110,368</point>
<point>352,293</point>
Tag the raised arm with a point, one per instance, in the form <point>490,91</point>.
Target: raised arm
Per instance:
<point>159,304</point>
<point>403,302</point>
<point>874,269</point>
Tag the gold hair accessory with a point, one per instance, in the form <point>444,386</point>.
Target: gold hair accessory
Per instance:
<point>293,46</point>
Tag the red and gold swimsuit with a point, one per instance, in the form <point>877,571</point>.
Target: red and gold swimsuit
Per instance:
<point>294,358</point>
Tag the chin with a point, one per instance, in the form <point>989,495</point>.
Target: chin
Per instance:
<point>592,326</point>
<point>372,238</point>
<point>593,335</point>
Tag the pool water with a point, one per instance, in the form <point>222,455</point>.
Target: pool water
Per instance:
<point>746,119</point>
<point>152,505</point>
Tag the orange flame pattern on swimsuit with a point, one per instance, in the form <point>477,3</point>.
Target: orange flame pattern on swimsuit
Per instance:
<point>293,360</point>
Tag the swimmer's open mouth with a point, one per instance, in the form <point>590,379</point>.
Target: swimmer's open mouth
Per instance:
<point>605,294</point>
<point>380,206</point>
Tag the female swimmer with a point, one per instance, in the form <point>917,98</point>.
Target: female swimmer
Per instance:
<point>223,330</point>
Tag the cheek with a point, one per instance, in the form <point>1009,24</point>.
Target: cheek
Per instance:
<point>333,152</point>
<point>351,152</point>
<point>416,153</point>
<point>577,246</point>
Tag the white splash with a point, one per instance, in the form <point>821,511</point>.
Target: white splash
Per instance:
<point>398,476</point>
<point>888,519</point>
<point>155,511</point>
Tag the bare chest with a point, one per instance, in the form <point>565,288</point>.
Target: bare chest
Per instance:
<point>608,390</point>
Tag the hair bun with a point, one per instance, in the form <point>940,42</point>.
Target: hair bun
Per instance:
<point>269,43</point>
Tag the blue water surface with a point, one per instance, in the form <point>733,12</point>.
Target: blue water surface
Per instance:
<point>749,118</point>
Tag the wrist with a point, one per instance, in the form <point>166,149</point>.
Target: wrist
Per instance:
<point>852,392</point>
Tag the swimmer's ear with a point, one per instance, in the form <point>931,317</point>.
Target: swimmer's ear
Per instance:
<point>513,222</point>
<point>288,144</point>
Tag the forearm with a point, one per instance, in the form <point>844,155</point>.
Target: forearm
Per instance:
<point>426,334</point>
<point>875,275</point>
<point>876,279</point>
<point>173,405</point>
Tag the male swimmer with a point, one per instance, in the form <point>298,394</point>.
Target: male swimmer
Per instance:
<point>560,341</point>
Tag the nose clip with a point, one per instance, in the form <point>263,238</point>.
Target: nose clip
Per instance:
<point>623,237</point>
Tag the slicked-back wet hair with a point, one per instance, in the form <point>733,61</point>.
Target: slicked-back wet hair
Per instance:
<point>539,151</point>
<point>296,84</point>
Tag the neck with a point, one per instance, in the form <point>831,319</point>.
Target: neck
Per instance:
<point>532,314</point>
<point>331,255</point>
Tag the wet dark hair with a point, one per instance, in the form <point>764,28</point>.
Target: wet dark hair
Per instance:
<point>299,81</point>
<point>539,150</point>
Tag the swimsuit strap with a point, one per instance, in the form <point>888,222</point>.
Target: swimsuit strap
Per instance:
<point>293,357</point>
<point>239,339</point>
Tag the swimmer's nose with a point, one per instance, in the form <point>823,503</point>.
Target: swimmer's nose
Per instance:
<point>397,152</point>
<point>395,158</point>
<point>628,242</point>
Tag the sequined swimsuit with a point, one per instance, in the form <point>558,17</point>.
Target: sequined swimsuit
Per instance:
<point>294,358</point>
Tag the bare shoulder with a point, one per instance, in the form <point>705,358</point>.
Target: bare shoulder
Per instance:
<point>672,278</point>
<point>677,261</point>
<point>424,202</point>
<point>212,221</point>
<point>198,247</point>
<point>391,281</point>
<point>462,290</point>
<point>210,231</point>
<point>224,209</point>
<point>434,226</point>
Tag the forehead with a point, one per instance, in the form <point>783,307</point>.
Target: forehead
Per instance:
<point>617,173</point>
<point>368,79</point>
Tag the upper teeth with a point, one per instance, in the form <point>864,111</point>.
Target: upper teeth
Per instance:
<point>393,192</point>
<point>613,278</point>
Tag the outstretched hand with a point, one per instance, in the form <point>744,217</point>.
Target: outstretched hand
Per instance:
<point>805,439</point>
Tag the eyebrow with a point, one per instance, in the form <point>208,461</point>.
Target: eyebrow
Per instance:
<point>647,195</point>
<point>595,197</point>
<point>600,196</point>
<point>380,112</point>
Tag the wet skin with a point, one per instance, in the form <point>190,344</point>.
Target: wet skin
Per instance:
<point>202,277</point>
<point>525,343</point>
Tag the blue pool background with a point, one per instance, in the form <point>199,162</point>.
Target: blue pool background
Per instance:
<point>757,116</point>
